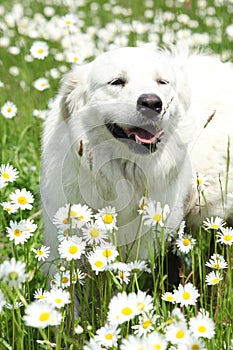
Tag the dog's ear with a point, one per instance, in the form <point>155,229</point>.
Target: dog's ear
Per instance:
<point>74,90</point>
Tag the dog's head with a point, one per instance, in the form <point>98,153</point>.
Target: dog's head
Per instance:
<point>132,95</point>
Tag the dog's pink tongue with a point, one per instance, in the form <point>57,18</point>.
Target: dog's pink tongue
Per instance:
<point>143,135</point>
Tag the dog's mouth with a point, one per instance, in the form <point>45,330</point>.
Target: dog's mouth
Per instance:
<point>147,136</point>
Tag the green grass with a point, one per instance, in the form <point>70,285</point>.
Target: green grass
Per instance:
<point>20,146</point>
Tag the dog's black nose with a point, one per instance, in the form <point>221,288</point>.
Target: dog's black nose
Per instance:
<point>151,101</point>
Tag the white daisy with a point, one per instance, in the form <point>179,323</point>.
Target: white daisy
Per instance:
<point>8,173</point>
<point>146,323</point>
<point>80,214</point>
<point>92,234</point>
<point>143,301</point>
<point>107,251</point>
<point>202,326</point>
<point>226,236</point>
<point>58,297</point>
<point>62,218</point>
<point>186,295</point>
<point>138,266</point>
<point>9,207</point>
<point>40,114</point>
<point>69,20</point>
<point>97,261</point>
<point>216,223</point>
<point>40,295</point>
<point>213,278</point>
<point>9,110</point>
<point>13,272</point>
<point>142,204</point>
<point>157,341</point>
<point>41,315</point>
<point>168,296</point>
<point>41,84</point>
<point>106,219</point>
<point>155,214</point>
<point>178,333</point>
<point>29,225</point>
<point>71,248</point>
<point>107,336</point>
<point>134,343</point>
<point>200,181</point>
<point>39,49</point>
<point>122,308</point>
<point>123,277</point>
<point>41,253</point>
<point>185,243</point>
<point>23,199</point>
<point>17,233</point>
<point>217,261</point>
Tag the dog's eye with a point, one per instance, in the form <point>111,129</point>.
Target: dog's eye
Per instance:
<point>162,81</point>
<point>117,81</point>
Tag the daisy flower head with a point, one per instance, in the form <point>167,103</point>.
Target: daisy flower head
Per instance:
<point>41,315</point>
<point>17,233</point>
<point>69,20</point>
<point>97,261</point>
<point>107,336</point>
<point>217,261</point>
<point>80,214</point>
<point>41,84</point>
<point>106,219</point>
<point>155,214</point>
<point>143,204</point>
<point>109,252</point>
<point>29,225</point>
<point>40,295</point>
<point>58,297</point>
<point>71,248</point>
<point>143,301</point>
<point>8,173</point>
<point>216,223</point>
<point>62,218</point>
<point>225,236</point>
<point>138,266</point>
<point>213,278</point>
<point>185,243</point>
<point>200,181</point>
<point>9,207</point>
<point>196,343</point>
<point>13,272</point>
<point>122,308</point>
<point>186,295</point>
<point>202,326</point>
<point>41,253</point>
<point>39,49</point>
<point>157,341</point>
<point>145,324</point>
<point>178,333</point>
<point>135,343</point>
<point>9,110</point>
<point>123,277</point>
<point>74,57</point>
<point>168,296</point>
<point>23,199</point>
<point>93,235</point>
<point>40,114</point>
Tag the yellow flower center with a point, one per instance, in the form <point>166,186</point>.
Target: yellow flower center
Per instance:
<point>40,252</point>
<point>65,221</point>
<point>214,226</point>
<point>8,209</point>
<point>41,297</point>
<point>107,253</point>
<point>170,298</point>
<point>94,233</point>
<point>127,311</point>
<point>99,263</point>
<point>146,324</point>
<point>73,213</point>
<point>202,329</point>
<point>180,334</point>
<point>215,280</point>
<point>195,347</point>
<point>109,336</point>
<point>81,218</point>
<point>5,175</point>
<point>58,300</point>
<point>157,217</point>
<point>75,58</point>
<point>157,347</point>
<point>227,238</point>
<point>68,22</point>
<point>9,109</point>
<point>22,200</point>
<point>40,51</point>
<point>44,316</point>
<point>42,84</point>
<point>73,249</point>
<point>65,279</point>
<point>186,242</point>
<point>17,232</point>
<point>199,181</point>
<point>108,218</point>
<point>186,295</point>
<point>217,266</point>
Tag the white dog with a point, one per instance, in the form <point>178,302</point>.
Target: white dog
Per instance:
<point>137,122</point>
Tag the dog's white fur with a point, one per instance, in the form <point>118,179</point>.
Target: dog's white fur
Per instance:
<point>83,162</point>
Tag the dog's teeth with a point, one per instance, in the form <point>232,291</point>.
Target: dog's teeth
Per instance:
<point>137,140</point>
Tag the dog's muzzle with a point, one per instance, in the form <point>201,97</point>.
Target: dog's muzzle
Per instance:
<point>145,137</point>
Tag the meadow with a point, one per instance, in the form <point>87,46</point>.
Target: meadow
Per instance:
<point>118,309</point>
